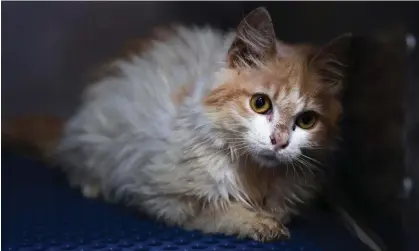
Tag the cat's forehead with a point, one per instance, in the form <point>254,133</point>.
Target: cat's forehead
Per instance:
<point>289,83</point>
<point>285,80</point>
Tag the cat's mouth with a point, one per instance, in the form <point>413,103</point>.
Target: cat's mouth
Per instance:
<point>272,159</point>
<point>269,158</point>
<point>269,155</point>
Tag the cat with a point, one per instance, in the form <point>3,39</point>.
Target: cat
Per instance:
<point>222,132</point>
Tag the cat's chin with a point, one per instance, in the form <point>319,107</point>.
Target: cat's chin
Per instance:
<point>268,159</point>
<point>266,162</point>
<point>271,159</point>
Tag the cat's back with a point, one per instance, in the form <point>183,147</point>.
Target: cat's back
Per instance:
<point>173,57</point>
<point>138,94</point>
<point>133,107</point>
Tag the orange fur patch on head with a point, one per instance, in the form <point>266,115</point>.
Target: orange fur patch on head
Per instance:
<point>293,76</point>
<point>281,78</point>
<point>292,84</point>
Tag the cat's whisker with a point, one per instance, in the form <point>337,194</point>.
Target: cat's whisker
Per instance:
<point>240,143</point>
<point>299,167</point>
<point>245,153</point>
<point>217,154</point>
<point>237,145</point>
<point>234,131</point>
<point>198,145</point>
<point>311,159</point>
<point>310,165</point>
<point>234,142</point>
<point>241,148</point>
<point>301,170</point>
<point>317,148</point>
<point>227,138</point>
<point>305,165</point>
<point>293,167</point>
<point>304,162</point>
<point>245,160</point>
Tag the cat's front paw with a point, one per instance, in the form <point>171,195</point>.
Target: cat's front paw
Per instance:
<point>267,229</point>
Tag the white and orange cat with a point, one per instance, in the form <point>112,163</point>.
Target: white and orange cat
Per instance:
<point>219,132</point>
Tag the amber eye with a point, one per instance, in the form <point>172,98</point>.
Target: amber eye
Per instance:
<point>307,120</point>
<point>260,103</point>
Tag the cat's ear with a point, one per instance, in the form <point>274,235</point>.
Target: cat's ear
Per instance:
<point>332,62</point>
<point>255,40</point>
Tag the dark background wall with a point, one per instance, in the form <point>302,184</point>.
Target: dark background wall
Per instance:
<point>49,47</point>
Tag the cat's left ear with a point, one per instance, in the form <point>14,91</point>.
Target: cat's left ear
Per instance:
<point>255,40</point>
<point>332,62</point>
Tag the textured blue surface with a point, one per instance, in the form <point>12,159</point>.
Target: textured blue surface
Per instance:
<point>40,212</point>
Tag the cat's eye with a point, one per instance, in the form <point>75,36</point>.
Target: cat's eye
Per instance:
<point>261,103</point>
<point>307,120</point>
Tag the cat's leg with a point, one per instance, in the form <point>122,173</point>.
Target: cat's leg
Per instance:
<point>238,220</point>
<point>172,210</point>
<point>277,207</point>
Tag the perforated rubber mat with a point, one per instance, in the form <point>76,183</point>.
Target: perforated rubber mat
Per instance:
<point>41,212</point>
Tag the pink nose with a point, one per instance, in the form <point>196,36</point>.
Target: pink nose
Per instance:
<point>279,140</point>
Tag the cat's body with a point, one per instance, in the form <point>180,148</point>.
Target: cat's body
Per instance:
<point>172,134</point>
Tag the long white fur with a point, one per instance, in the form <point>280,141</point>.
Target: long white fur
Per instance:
<point>132,141</point>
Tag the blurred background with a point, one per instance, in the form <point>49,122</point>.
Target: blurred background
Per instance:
<point>48,48</point>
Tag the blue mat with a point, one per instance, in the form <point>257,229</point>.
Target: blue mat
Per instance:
<point>41,212</point>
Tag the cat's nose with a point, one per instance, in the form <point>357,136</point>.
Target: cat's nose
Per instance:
<point>279,141</point>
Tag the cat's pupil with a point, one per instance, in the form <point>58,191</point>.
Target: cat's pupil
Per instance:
<point>260,102</point>
<point>306,119</point>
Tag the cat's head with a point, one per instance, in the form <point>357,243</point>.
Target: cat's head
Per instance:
<point>275,99</point>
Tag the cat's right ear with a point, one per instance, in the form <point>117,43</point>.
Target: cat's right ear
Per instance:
<point>333,60</point>
<point>255,40</point>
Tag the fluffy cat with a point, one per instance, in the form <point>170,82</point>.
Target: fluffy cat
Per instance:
<point>219,132</point>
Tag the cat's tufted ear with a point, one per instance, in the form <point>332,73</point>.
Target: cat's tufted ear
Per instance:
<point>332,62</point>
<point>255,40</point>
